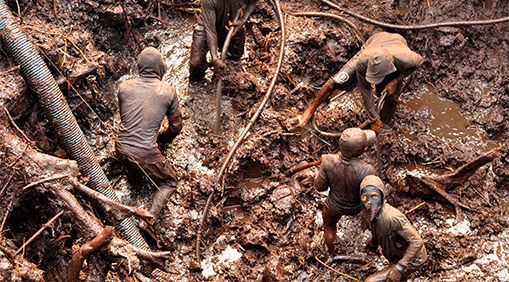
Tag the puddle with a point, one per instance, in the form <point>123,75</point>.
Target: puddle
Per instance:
<point>252,174</point>
<point>447,122</point>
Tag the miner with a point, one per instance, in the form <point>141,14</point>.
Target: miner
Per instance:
<point>343,173</point>
<point>382,63</point>
<point>211,30</point>
<point>401,244</point>
<point>144,102</point>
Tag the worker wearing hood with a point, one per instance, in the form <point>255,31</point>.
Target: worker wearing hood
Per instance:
<point>144,102</point>
<point>343,173</point>
<point>384,60</point>
<point>401,244</point>
<point>211,30</point>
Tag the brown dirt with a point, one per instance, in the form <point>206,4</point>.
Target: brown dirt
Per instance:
<point>271,220</point>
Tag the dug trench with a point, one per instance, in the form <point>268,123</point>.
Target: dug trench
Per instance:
<point>266,225</point>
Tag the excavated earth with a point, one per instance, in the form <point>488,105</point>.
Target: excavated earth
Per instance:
<point>267,225</point>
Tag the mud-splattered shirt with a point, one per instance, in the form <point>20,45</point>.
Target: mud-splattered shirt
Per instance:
<point>143,103</point>
<point>215,15</point>
<point>398,239</point>
<point>343,176</point>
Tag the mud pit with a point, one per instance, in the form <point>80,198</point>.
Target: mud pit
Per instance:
<point>267,226</point>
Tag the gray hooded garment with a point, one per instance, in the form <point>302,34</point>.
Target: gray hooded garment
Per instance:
<point>397,237</point>
<point>143,103</point>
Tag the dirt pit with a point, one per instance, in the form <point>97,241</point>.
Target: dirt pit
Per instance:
<point>267,226</point>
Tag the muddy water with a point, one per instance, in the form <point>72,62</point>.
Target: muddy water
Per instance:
<point>447,122</point>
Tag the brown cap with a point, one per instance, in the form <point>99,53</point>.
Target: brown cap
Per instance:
<point>354,140</point>
<point>380,64</point>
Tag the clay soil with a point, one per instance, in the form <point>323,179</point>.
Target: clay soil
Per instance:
<point>267,225</point>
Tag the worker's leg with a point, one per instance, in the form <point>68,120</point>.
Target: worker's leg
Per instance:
<point>330,219</point>
<point>163,175</point>
<point>236,48</point>
<point>199,48</point>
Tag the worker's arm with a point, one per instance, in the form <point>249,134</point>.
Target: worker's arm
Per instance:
<point>251,6</point>
<point>321,180</point>
<point>208,14</point>
<point>415,245</point>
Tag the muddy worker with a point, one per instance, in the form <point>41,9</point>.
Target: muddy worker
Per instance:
<point>211,30</point>
<point>382,63</point>
<point>343,173</point>
<point>143,104</point>
<point>401,245</point>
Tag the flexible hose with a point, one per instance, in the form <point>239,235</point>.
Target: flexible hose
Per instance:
<point>72,139</point>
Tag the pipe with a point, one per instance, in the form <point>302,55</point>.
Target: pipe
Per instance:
<point>72,139</point>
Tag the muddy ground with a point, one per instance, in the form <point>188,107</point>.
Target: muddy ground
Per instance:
<point>268,225</point>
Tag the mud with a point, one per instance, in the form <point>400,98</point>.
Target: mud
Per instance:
<point>267,226</point>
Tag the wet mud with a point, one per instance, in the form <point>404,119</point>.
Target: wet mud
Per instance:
<point>267,225</point>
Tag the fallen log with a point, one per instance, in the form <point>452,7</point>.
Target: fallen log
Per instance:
<point>440,184</point>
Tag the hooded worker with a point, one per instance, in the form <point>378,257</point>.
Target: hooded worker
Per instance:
<point>391,230</point>
<point>382,63</point>
<point>211,30</point>
<point>343,173</point>
<point>144,102</point>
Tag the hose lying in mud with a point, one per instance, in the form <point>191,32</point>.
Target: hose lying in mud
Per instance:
<point>220,179</point>
<point>219,87</point>
<point>412,27</point>
<point>72,139</point>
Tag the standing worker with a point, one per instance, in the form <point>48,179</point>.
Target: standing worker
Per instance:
<point>211,30</point>
<point>382,63</point>
<point>343,173</point>
<point>143,104</point>
<point>401,245</point>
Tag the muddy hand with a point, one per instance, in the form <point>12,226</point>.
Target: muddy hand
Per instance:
<point>376,126</point>
<point>218,64</point>
<point>293,123</point>
<point>392,87</point>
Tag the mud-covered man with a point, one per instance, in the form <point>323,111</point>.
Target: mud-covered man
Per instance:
<point>343,173</point>
<point>382,63</point>
<point>211,30</point>
<point>391,230</point>
<point>143,104</point>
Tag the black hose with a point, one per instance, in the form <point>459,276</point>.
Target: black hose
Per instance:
<point>72,139</point>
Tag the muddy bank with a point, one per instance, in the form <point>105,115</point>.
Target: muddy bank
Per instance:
<point>267,225</point>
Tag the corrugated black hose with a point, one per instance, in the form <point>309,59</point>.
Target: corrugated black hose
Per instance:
<point>72,139</point>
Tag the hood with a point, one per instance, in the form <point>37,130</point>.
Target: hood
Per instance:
<point>353,141</point>
<point>151,64</point>
<point>380,64</point>
<point>373,180</point>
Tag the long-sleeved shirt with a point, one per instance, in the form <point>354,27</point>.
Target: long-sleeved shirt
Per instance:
<point>398,239</point>
<point>215,15</point>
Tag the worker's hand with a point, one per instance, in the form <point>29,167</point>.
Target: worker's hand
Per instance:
<point>394,275</point>
<point>218,64</point>
<point>238,23</point>
<point>392,87</point>
<point>376,126</point>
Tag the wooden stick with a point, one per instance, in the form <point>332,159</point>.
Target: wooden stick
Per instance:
<point>36,234</point>
<point>78,257</point>
<point>110,206</point>
<point>415,208</point>
<point>38,182</point>
<point>335,271</point>
<point>297,168</point>
<point>219,87</point>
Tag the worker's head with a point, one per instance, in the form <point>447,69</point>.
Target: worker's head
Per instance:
<point>353,141</point>
<point>372,191</point>
<point>151,63</point>
<point>380,64</point>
